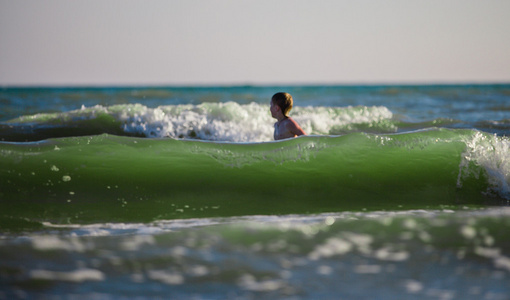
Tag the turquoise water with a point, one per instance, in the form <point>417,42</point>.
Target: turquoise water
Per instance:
<point>398,192</point>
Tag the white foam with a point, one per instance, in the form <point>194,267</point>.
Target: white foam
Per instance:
<point>50,242</point>
<point>135,242</point>
<point>248,282</point>
<point>208,121</point>
<point>166,277</point>
<point>413,286</point>
<point>230,122</point>
<point>324,120</point>
<point>72,276</point>
<point>492,153</point>
<point>389,254</point>
<point>500,261</point>
<point>332,247</point>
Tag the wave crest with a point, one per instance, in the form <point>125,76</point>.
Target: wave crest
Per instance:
<point>490,153</point>
<point>229,122</point>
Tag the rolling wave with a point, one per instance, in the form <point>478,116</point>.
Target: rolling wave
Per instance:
<point>230,122</point>
<point>113,178</point>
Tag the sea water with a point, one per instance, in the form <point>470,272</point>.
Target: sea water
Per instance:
<point>397,192</point>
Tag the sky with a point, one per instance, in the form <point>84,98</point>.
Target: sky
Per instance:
<point>223,42</point>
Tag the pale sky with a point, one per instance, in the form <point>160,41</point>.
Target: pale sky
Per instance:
<point>197,42</point>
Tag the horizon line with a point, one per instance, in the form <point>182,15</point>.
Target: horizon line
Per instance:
<point>248,84</point>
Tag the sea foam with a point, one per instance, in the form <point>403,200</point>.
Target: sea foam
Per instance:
<point>492,154</point>
<point>77,276</point>
<point>233,122</point>
<point>225,122</point>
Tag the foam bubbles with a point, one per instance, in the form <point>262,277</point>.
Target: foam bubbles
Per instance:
<point>136,242</point>
<point>492,153</point>
<point>337,120</point>
<point>390,254</point>
<point>229,122</point>
<point>55,243</point>
<point>72,276</point>
<point>208,121</point>
<point>249,282</point>
<point>333,246</point>
<point>166,277</point>
<point>468,232</point>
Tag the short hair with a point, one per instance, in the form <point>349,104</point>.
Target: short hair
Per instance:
<point>284,101</point>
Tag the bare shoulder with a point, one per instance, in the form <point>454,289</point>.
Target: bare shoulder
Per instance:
<point>293,127</point>
<point>287,128</point>
<point>290,122</point>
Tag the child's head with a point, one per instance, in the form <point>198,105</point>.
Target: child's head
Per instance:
<point>283,101</point>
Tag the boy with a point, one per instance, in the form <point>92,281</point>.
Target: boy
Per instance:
<point>286,127</point>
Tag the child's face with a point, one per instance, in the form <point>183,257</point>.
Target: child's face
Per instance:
<point>274,108</point>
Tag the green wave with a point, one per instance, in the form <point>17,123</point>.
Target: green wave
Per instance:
<point>107,178</point>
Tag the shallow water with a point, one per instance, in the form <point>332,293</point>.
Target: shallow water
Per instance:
<point>397,193</point>
<point>448,253</point>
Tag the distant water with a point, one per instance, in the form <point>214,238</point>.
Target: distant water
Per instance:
<point>398,192</point>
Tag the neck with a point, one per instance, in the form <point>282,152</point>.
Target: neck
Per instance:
<point>281,117</point>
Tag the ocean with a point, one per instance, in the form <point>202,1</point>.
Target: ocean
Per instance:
<point>397,192</point>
